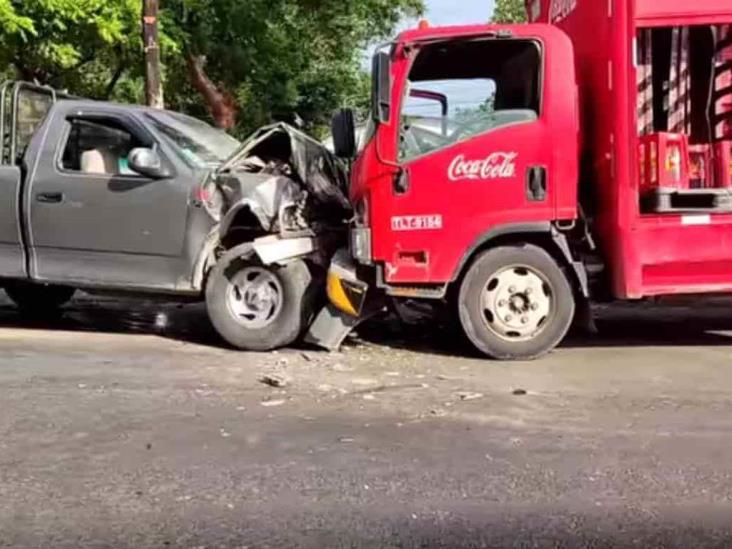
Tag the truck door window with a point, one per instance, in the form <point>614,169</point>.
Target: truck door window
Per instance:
<point>484,85</point>
<point>98,147</point>
<point>33,106</point>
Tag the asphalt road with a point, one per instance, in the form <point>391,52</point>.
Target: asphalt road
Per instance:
<point>130,426</point>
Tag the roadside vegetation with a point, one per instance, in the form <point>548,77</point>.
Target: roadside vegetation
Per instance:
<point>238,64</point>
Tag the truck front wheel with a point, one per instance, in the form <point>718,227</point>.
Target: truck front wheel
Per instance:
<point>38,300</point>
<point>516,303</point>
<point>257,307</point>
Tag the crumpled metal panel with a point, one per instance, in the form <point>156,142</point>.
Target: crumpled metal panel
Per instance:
<point>264,194</point>
<point>286,151</point>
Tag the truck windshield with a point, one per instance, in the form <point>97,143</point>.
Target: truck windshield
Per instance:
<point>458,90</point>
<point>197,142</point>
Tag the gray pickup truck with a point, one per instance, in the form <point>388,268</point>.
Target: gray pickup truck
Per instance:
<point>121,199</point>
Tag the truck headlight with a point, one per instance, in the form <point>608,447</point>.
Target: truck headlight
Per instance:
<point>361,245</point>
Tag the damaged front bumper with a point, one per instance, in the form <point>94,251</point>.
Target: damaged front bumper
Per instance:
<point>345,291</point>
<point>351,301</point>
<point>288,194</point>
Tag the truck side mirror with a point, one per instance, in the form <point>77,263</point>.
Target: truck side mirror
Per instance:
<point>343,128</point>
<point>381,87</point>
<point>147,162</point>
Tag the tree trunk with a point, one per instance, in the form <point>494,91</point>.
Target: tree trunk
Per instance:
<point>153,73</point>
<point>221,104</point>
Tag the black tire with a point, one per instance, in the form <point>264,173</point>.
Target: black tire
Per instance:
<point>299,293</point>
<point>38,300</point>
<point>555,294</point>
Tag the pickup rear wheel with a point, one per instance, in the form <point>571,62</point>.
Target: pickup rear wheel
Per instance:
<point>516,303</point>
<point>38,300</point>
<point>257,307</point>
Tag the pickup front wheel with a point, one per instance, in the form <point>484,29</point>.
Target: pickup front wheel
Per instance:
<point>38,300</point>
<point>516,303</point>
<point>258,307</point>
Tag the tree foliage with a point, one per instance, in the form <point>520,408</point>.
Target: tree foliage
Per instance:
<point>78,44</point>
<point>261,59</point>
<point>278,58</point>
<point>509,11</point>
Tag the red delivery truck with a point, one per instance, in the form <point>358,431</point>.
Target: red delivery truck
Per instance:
<point>519,172</point>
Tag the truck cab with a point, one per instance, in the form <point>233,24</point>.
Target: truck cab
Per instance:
<point>472,150</point>
<point>518,172</point>
<point>478,135</point>
<point>129,200</point>
<point>98,195</point>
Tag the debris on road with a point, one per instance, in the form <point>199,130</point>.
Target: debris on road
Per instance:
<point>520,392</point>
<point>275,380</point>
<point>272,403</point>
<point>470,396</point>
<point>364,381</point>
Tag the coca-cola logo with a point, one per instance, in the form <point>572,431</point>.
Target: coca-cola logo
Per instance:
<point>498,165</point>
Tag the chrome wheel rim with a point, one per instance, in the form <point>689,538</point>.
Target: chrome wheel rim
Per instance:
<point>517,303</point>
<point>254,297</point>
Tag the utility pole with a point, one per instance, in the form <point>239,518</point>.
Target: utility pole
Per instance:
<point>153,74</point>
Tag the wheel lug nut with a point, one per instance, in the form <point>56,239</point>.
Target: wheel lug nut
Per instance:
<point>512,289</point>
<point>534,306</point>
<point>502,303</point>
<point>509,318</point>
<point>524,320</point>
<point>529,291</point>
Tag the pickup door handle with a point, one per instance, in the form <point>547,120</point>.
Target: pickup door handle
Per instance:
<point>50,198</point>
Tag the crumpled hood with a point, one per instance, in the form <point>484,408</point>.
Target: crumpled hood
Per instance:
<point>284,151</point>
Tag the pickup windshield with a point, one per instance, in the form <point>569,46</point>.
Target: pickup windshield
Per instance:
<point>198,143</point>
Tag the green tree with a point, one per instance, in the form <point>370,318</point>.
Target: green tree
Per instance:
<point>84,45</point>
<point>239,63</point>
<point>262,59</point>
<point>509,11</point>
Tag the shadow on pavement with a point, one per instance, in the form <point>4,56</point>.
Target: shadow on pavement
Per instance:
<point>622,325</point>
<point>182,322</point>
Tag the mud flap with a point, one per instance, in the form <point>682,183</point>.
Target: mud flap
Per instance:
<point>584,319</point>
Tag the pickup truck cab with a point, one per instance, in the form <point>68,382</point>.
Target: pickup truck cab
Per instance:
<point>126,199</point>
<point>105,196</point>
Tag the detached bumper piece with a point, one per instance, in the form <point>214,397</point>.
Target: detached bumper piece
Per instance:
<point>331,327</point>
<point>345,292</point>
<point>352,301</point>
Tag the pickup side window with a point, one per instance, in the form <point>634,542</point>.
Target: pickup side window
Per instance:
<point>457,90</point>
<point>99,147</point>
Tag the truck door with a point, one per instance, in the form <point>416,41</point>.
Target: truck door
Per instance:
<point>92,219</point>
<point>475,153</point>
